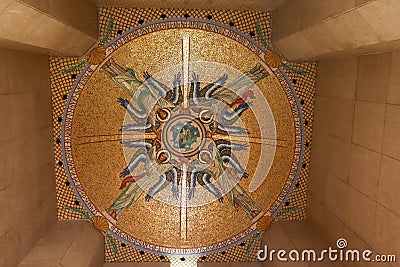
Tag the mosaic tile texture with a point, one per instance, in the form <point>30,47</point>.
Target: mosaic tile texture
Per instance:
<point>257,5</point>
<point>128,18</point>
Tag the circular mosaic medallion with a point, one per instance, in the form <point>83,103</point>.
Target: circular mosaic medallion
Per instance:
<point>182,137</point>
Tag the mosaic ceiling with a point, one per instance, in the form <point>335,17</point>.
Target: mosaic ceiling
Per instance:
<point>259,5</point>
<point>181,136</point>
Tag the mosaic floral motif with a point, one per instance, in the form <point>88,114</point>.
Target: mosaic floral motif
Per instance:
<point>97,54</point>
<point>273,58</point>
<point>98,222</point>
<point>264,224</point>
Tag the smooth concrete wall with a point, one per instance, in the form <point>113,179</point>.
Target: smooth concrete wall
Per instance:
<point>27,189</point>
<point>354,179</point>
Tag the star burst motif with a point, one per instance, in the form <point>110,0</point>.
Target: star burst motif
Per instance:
<point>185,132</point>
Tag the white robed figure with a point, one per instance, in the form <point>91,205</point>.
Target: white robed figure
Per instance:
<point>154,166</point>
<point>227,179</point>
<point>148,95</point>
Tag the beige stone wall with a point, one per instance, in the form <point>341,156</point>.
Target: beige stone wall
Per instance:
<point>355,166</point>
<point>58,27</point>
<point>297,15</point>
<point>27,190</point>
<point>337,28</point>
<point>79,14</point>
<point>68,244</point>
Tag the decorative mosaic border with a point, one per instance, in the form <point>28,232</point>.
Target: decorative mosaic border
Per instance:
<point>299,142</point>
<point>128,18</point>
<point>148,28</point>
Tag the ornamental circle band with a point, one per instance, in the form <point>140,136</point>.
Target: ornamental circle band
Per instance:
<point>182,137</point>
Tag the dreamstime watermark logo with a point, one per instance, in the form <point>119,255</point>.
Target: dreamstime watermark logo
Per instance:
<point>332,254</point>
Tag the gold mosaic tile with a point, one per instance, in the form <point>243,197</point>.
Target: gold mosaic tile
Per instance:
<point>126,19</point>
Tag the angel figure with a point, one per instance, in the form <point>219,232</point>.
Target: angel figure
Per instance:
<point>154,166</point>
<point>227,179</point>
<point>227,102</point>
<point>148,96</point>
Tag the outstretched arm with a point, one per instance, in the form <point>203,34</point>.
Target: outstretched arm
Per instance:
<point>192,186</point>
<point>247,80</point>
<point>232,160</point>
<point>136,159</point>
<point>161,88</point>
<point>136,144</point>
<point>204,180</point>
<point>174,189</point>
<point>177,89</point>
<point>138,127</point>
<point>209,89</point>
<point>231,129</point>
<point>232,146</point>
<point>195,88</point>
<point>229,118</point>
<point>160,185</point>
<point>137,115</point>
